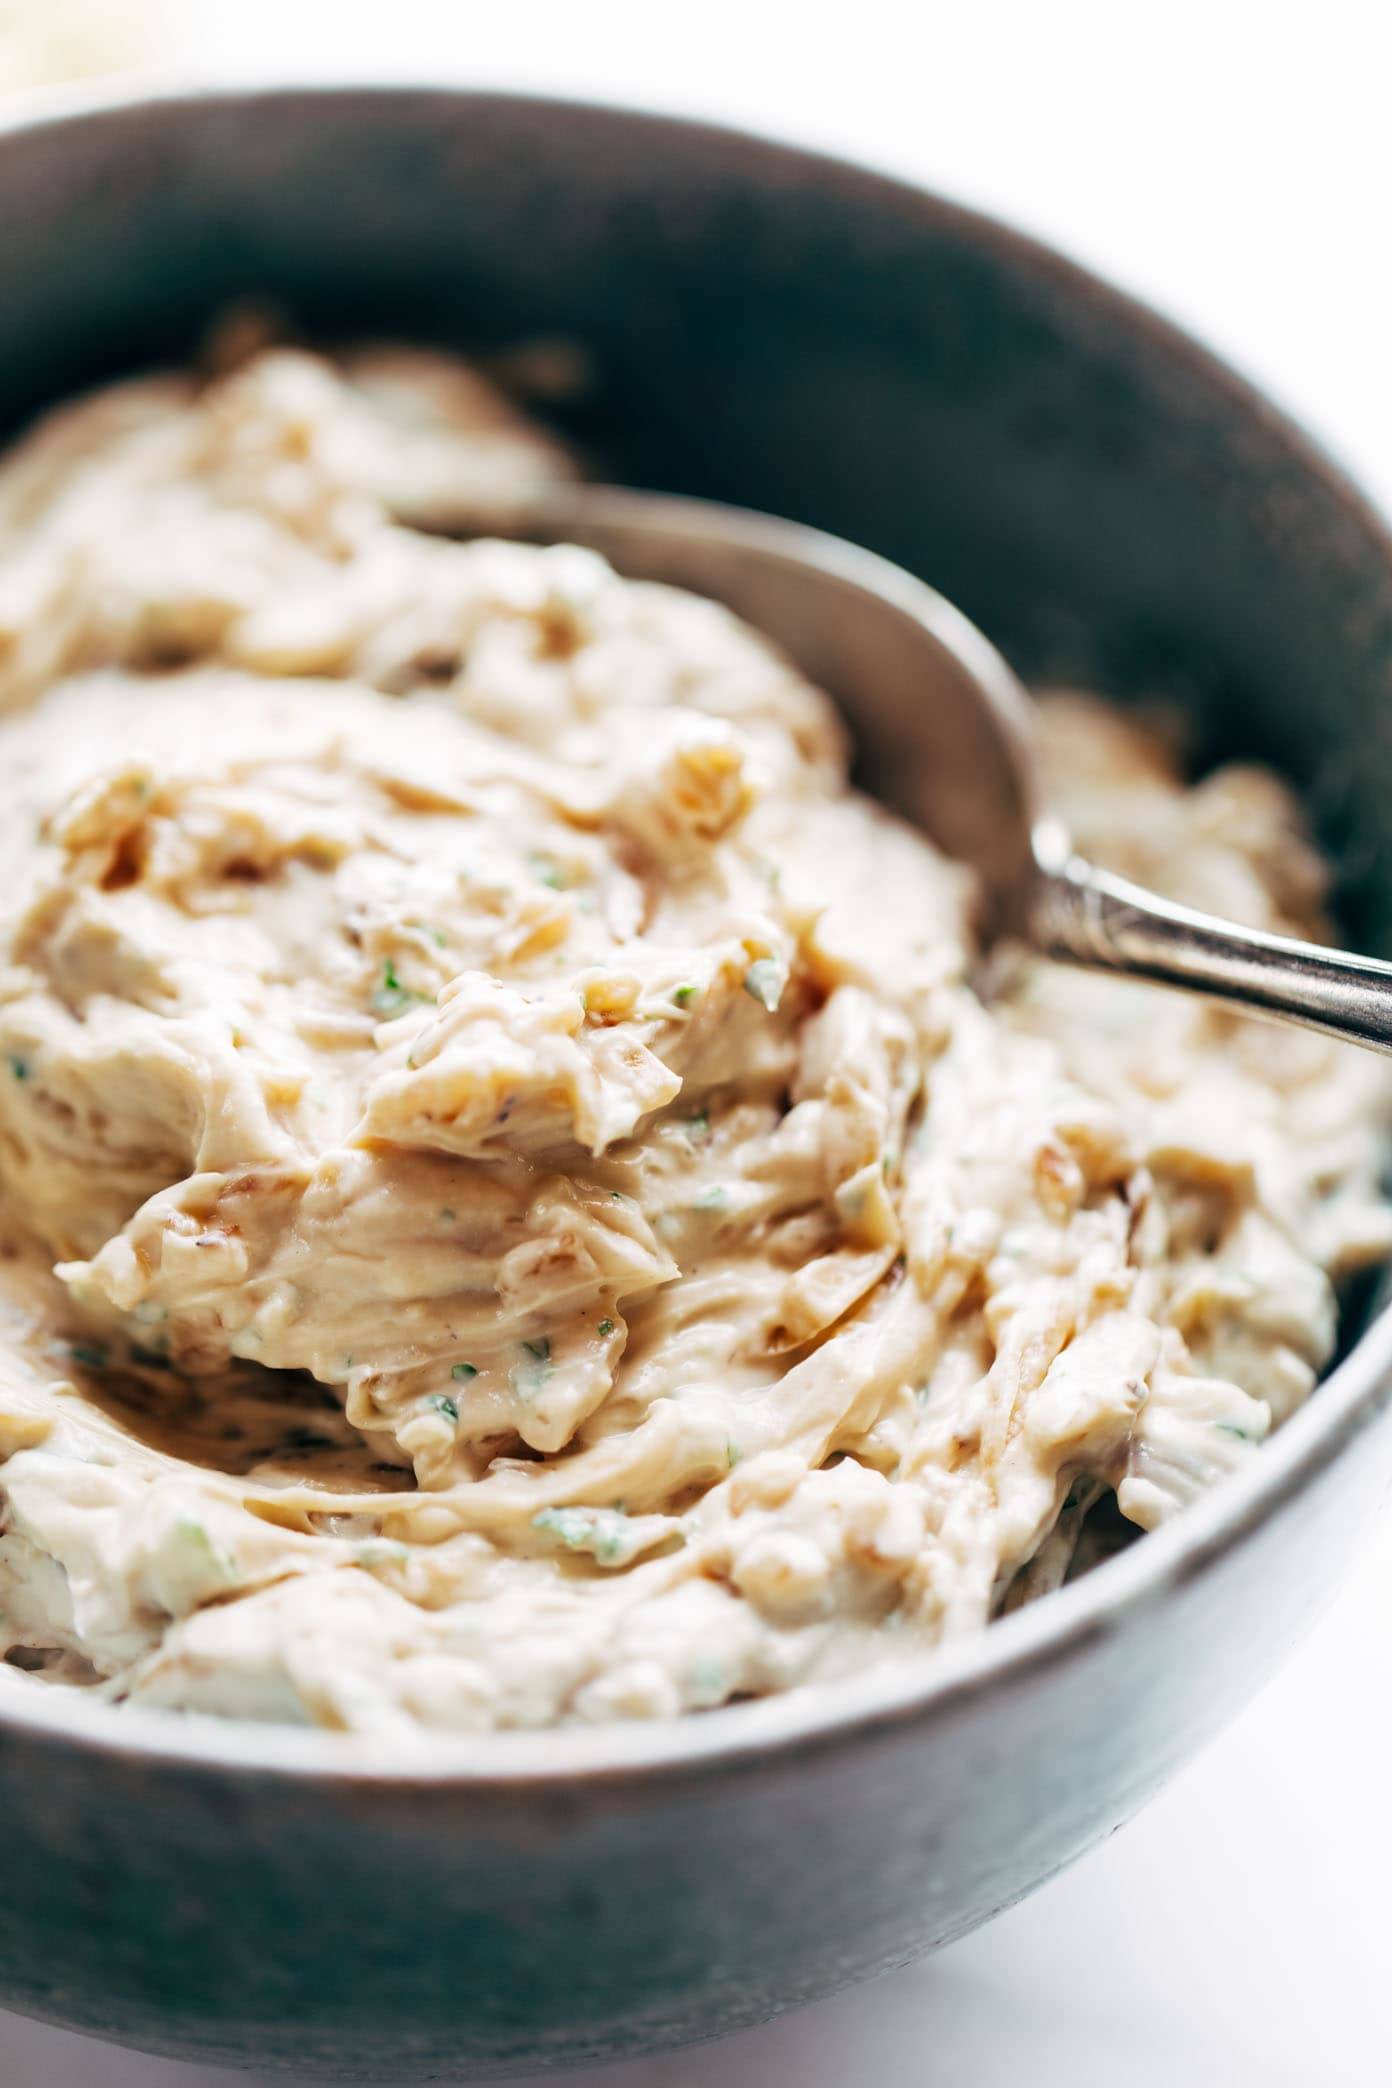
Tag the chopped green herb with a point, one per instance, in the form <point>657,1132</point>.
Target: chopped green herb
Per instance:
<point>529,1376</point>
<point>443,1404</point>
<point>598,1531</point>
<point>203,1556</point>
<point>764,981</point>
<point>91,1354</point>
<point>708,1682</point>
<point>733,1454</point>
<point>19,1066</point>
<point>184,1566</point>
<point>713,1199</point>
<point>548,870</point>
<point>698,1127</point>
<point>1233,1428</point>
<point>685,995</point>
<point>380,1551</point>
<point>464,1371</point>
<point>606,1326</point>
<point>392,998</point>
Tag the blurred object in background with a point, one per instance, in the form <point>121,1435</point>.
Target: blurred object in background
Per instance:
<point>45,41</point>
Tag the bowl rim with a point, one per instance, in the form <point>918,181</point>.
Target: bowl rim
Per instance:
<point>924,1686</point>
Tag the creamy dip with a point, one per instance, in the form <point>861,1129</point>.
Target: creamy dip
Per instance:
<point>521,1203</point>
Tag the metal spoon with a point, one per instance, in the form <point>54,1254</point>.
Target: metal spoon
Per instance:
<point>945,735</point>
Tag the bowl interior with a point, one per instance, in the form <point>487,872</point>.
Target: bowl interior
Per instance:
<point>758,325</point>
<point>782,332</point>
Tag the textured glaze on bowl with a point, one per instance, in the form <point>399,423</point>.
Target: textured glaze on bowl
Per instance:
<point>778,330</point>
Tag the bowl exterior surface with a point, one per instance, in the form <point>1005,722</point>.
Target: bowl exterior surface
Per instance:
<point>780,331</point>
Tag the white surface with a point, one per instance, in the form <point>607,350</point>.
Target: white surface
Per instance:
<point>1232,162</point>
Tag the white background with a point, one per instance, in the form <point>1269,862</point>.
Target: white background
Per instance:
<point>1232,162</point>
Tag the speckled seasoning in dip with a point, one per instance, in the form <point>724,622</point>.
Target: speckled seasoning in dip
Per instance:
<point>520,1204</point>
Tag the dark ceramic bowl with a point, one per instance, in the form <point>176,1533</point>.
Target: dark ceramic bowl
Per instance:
<point>1108,502</point>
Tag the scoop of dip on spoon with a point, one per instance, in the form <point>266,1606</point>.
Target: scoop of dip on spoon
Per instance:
<point>945,734</point>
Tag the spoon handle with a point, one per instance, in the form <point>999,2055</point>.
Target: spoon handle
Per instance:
<point>1087,916</point>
